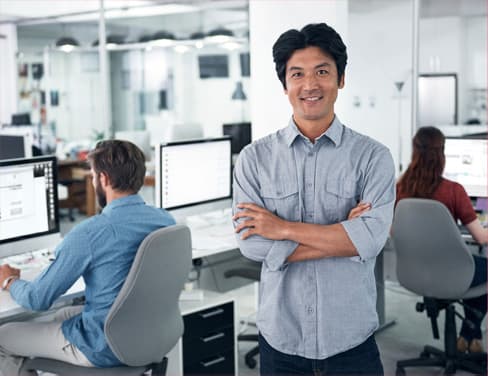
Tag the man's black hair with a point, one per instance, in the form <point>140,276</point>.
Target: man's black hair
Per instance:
<point>318,35</point>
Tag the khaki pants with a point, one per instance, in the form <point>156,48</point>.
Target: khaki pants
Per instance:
<point>42,337</point>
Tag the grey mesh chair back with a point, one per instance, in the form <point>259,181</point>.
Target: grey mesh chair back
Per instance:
<point>432,257</point>
<point>145,321</point>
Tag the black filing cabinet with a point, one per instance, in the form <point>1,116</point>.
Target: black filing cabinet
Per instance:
<point>208,341</point>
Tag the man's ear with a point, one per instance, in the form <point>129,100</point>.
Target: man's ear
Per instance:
<point>342,81</point>
<point>104,180</point>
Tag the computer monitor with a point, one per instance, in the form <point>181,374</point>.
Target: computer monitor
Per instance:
<point>193,172</point>
<point>12,147</point>
<point>240,134</point>
<point>16,142</point>
<point>28,205</point>
<point>466,163</point>
<point>21,119</point>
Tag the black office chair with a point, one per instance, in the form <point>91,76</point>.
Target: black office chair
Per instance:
<point>434,262</point>
<point>250,270</point>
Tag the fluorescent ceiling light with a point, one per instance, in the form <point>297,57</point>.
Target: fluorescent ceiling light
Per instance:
<point>231,46</point>
<point>181,49</point>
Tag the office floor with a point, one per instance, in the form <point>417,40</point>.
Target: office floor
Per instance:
<point>402,340</point>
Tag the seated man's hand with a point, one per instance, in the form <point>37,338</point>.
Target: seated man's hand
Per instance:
<point>359,209</point>
<point>7,271</point>
<point>259,221</point>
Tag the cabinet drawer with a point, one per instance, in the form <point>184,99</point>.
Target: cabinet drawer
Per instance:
<point>200,324</point>
<point>222,363</point>
<point>211,343</point>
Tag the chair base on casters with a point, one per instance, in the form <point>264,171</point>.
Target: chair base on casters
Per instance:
<point>249,356</point>
<point>433,357</point>
<point>66,369</point>
<point>450,359</point>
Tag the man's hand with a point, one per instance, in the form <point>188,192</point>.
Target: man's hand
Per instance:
<point>259,221</point>
<point>359,209</point>
<point>7,271</point>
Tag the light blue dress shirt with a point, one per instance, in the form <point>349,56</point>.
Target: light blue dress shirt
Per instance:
<point>316,309</point>
<point>101,250</point>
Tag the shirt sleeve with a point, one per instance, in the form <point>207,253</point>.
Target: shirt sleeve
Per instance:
<point>369,232</point>
<point>463,208</point>
<point>73,257</point>
<point>246,190</point>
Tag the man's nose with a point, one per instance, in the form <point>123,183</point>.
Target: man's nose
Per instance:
<point>311,82</point>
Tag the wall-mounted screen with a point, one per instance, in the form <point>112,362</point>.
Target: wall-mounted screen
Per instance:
<point>466,163</point>
<point>213,66</point>
<point>193,172</point>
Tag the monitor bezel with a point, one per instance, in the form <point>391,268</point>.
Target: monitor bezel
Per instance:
<point>21,161</point>
<point>192,142</point>
<point>466,137</point>
<point>240,125</point>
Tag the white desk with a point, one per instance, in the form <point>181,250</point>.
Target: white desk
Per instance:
<point>207,240</point>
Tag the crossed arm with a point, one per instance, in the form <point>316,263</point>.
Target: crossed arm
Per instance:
<point>315,241</point>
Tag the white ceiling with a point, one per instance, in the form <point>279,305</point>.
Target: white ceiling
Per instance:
<point>16,10</point>
<point>428,8</point>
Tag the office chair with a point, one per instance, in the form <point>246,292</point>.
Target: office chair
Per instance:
<point>250,270</point>
<point>144,322</point>
<point>434,262</point>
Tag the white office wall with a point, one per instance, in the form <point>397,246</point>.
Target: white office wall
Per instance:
<point>380,54</point>
<point>8,72</point>
<point>270,109</point>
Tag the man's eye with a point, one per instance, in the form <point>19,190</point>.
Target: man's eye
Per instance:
<point>296,74</point>
<point>322,72</point>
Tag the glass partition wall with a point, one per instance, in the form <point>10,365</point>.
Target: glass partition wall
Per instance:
<point>453,66</point>
<point>172,72</point>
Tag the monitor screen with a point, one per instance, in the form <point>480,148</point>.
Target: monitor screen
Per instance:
<point>466,163</point>
<point>16,142</point>
<point>21,119</point>
<point>28,205</point>
<point>240,134</point>
<point>193,172</point>
<point>11,146</point>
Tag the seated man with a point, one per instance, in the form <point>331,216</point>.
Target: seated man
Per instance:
<point>101,249</point>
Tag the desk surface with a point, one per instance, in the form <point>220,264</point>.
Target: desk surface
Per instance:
<point>207,239</point>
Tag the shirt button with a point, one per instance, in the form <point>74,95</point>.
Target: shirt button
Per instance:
<point>310,216</point>
<point>309,185</point>
<point>309,310</point>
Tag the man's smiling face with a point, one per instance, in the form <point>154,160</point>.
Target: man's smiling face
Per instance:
<point>312,85</point>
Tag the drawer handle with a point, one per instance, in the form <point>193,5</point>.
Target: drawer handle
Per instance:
<point>211,313</point>
<point>220,359</point>
<point>213,337</point>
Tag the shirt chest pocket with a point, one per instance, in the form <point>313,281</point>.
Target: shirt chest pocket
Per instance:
<point>282,201</point>
<point>340,197</point>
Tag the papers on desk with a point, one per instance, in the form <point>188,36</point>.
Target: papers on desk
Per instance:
<point>210,241</point>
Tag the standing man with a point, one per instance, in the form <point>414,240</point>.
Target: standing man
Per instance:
<point>293,191</point>
<point>101,250</point>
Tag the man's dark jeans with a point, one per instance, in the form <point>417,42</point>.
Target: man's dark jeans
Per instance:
<point>363,359</point>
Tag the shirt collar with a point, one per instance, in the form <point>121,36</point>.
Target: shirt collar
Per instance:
<point>123,201</point>
<point>334,132</point>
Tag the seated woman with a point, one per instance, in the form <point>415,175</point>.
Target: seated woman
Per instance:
<point>423,179</point>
